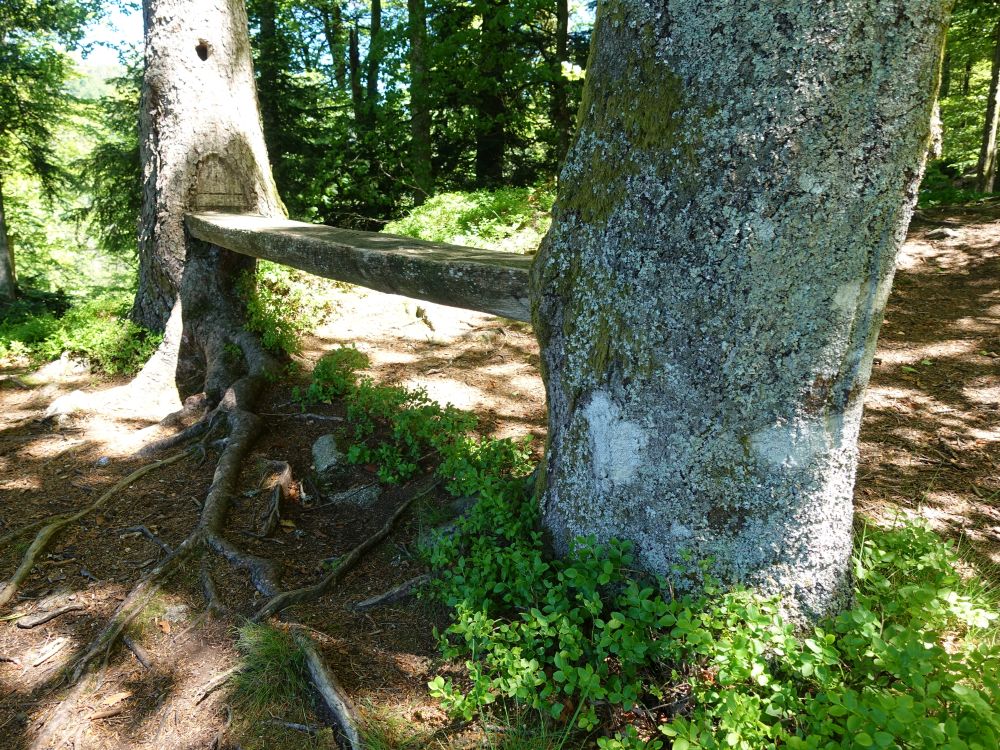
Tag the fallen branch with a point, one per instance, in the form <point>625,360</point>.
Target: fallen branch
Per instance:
<point>45,535</point>
<point>308,593</point>
<point>398,593</point>
<point>149,535</point>
<point>33,621</point>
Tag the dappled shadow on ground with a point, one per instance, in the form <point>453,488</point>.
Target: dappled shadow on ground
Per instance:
<point>930,440</point>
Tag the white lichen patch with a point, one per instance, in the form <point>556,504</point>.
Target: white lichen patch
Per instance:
<point>616,444</point>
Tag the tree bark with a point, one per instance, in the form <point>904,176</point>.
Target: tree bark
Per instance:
<point>8,279</point>
<point>945,76</point>
<point>420,113</point>
<point>709,296</point>
<point>201,143</point>
<point>561,116</point>
<point>967,76</point>
<point>354,64</point>
<point>986,169</point>
<point>333,29</point>
<point>491,130</point>
<point>373,61</point>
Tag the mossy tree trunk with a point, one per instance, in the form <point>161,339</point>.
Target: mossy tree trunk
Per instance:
<point>710,293</point>
<point>8,281</point>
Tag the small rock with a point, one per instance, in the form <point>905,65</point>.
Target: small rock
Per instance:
<point>103,461</point>
<point>328,461</point>
<point>943,233</point>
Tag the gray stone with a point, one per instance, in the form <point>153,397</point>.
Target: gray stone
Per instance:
<point>328,461</point>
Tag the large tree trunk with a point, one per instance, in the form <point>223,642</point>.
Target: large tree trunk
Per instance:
<point>420,113</point>
<point>354,63</point>
<point>8,281</point>
<point>200,137</point>
<point>710,293</point>
<point>986,169</point>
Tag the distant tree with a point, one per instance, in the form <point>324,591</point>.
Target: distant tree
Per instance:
<point>709,296</point>
<point>33,71</point>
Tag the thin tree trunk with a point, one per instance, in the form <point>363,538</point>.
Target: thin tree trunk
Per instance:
<point>986,169</point>
<point>268,66</point>
<point>709,296</point>
<point>420,114</point>
<point>333,29</point>
<point>967,76</point>
<point>491,130</point>
<point>945,76</point>
<point>8,279</point>
<point>354,62</point>
<point>201,143</point>
<point>561,116</point>
<point>373,61</point>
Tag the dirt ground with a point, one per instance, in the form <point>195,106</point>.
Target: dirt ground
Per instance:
<point>930,446</point>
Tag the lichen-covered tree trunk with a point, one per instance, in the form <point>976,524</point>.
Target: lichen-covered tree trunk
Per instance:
<point>710,293</point>
<point>8,281</point>
<point>986,169</point>
<point>200,137</point>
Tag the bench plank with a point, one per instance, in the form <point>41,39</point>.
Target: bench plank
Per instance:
<point>489,281</point>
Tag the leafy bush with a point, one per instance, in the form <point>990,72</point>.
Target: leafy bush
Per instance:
<point>96,329</point>
<point>514,219</point>
<point>333,377</point>
<point>724,669</point>
<point>282,305</point>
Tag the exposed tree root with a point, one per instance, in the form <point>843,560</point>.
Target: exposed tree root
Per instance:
<point>334,696</point>
<point>281,491</point>
<point>344,564</point>
<point>393,595</point>
<point>56,525</point>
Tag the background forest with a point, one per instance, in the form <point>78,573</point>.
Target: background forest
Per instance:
<point>433,118</point>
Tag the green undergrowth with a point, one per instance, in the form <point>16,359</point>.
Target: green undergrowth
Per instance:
<point>271,687</point>
<point>39,328</point>
<point>402,431</point>
<point>283,304</point>
<point>512,219</point>
<point>605,656</point>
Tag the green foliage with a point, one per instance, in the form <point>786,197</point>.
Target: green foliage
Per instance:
<point>334,376</point>
<point>97,329</point>
<point>398,429</point>
<point>939,188</point>
<point>584,630</point>
<point>273,673</point>
<point>282,305</point>
<point>514,219</point>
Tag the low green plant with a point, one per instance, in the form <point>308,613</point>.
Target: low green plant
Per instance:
<point>282,305</point>
<point>585,631</point>
<point>273,676</point>
<point>335,375</point>
<point>96,329</point>
<point>513,219</point>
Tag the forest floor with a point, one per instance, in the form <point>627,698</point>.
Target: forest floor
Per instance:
<point>930,447</point>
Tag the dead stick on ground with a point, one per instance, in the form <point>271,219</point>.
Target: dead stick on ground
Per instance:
<point>27,623</point>
<point>50,530</point>
<point>308,593</point>
<point>395,594</point>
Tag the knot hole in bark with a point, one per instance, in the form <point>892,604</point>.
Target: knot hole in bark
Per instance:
<point>202,49</point>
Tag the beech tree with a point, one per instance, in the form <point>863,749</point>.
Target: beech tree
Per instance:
<point>709,296</point>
